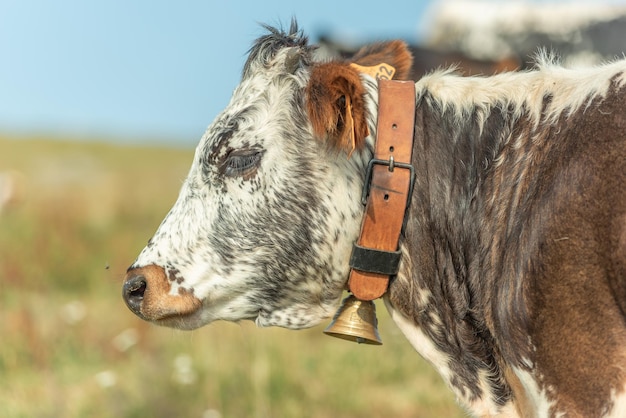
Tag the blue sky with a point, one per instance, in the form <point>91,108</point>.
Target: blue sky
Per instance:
<point>153,70</point>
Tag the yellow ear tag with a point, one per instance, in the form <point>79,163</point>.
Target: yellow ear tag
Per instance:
<point>350,126</point>
<point>381,71</point>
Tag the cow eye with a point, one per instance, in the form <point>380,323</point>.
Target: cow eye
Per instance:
<point>241,162</point>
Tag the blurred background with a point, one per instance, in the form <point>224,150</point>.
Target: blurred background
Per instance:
<point>101,106</point>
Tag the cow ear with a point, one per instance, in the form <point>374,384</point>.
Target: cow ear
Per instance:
<point>394,53</point>
<point>336,106</point>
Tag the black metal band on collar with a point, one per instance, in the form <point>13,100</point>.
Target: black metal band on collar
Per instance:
<point>375,261</point>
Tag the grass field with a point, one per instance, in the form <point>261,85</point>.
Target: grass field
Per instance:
<point>69,347</point>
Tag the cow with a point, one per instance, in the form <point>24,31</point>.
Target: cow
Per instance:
<point>426,59</point>
<point>512,273</point>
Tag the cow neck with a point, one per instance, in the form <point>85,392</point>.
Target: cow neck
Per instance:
<point>386,193</point>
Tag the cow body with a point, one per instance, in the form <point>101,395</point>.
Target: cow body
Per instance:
<point>516,237</point>
<point>513,274</point>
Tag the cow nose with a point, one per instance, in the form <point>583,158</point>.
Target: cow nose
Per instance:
<point>148,293</point>
<point>133,291</point>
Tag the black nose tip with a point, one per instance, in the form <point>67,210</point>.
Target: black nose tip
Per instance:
<point>133,291</point>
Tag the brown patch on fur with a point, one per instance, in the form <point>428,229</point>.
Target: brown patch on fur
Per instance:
<point>577,294</point>
<point>157,302</point>
<point>505,64</point>
<point>335,94</point>
<point>618,284</point>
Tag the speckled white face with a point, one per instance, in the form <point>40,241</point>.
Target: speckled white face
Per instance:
<point>265,221</point>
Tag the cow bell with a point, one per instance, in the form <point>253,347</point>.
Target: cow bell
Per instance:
<point>355,321</point>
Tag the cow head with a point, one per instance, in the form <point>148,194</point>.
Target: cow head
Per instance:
<point>264,223</point>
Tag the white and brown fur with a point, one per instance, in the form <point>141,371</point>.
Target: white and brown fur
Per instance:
<point>513,277</point>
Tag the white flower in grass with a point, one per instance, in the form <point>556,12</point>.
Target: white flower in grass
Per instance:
<point>73,312</point>
<point>125,339</point>
<point>106,379</point>
<point>211,413</point>
<point>184,373</point>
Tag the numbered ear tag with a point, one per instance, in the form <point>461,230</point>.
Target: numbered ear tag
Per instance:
<point>381,71</point>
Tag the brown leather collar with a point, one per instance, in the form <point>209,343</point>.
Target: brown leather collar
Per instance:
<point>388,186</point>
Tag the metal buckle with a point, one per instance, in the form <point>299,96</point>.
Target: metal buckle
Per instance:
<point>392,165</point>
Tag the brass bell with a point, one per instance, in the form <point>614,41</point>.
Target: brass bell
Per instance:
<point>355,321</point>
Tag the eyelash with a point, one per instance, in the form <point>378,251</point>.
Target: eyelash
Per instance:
<point>236,164</point>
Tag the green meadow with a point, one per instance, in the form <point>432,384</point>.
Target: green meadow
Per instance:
<point>69,347</point>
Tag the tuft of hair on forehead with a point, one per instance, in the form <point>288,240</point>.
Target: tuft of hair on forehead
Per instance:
<point>266,47</point>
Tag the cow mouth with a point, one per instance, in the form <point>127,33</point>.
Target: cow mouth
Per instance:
<point>147,293</point>
<point>187,322</point>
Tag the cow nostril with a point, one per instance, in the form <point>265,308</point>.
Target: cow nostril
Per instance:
<point>137,288</point>
<point>133,291</point>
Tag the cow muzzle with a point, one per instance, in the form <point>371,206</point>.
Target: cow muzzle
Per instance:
<point>148,293</point>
